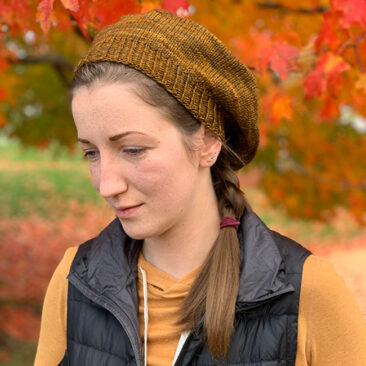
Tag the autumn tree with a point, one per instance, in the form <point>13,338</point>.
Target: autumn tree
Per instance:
<point>309,57</point>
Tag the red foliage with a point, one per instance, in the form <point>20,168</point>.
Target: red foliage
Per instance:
<point>19,322</point>
<point>4,357</point>
<point>179,7</point>
<point>29,253</point>
<point>325,76</point>
<point>264,52</point>
<point>97,15</point>
<point>350,12</point>
<point>72,5</point>
<point>329,33</point>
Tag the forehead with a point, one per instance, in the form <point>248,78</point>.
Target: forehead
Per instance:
<point>103,98</point>
<point>114,108</point>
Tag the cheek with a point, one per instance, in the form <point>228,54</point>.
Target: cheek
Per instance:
<point>165,182</point>
<point>95,176</point>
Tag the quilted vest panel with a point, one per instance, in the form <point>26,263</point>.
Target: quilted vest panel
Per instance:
<point>265,334</point>
<point>94,335</point>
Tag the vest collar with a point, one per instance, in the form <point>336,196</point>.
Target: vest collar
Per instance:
<point>263,273</point>
<point>109,265</point>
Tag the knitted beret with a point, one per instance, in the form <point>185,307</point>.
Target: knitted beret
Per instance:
<point>191,64</point>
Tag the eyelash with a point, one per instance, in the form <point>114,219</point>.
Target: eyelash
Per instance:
<point>87,154</point>
<point>133,152</point>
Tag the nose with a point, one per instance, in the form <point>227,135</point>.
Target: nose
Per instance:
<point>112,181</point>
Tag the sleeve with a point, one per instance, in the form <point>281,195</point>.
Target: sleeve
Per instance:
<point>52,339</point>
<point>332,330</point>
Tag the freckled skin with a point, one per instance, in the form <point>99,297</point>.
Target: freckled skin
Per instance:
<point>175,191</point>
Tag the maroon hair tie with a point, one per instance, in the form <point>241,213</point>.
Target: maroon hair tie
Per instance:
<point>229,221</point>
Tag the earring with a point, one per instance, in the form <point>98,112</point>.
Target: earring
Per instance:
<point>212,157</point>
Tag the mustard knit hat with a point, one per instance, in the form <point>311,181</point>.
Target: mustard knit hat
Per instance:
<point>192,65</point>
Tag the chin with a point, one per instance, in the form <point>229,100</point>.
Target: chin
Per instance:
<point>135,231</point>
<point>138,231</point>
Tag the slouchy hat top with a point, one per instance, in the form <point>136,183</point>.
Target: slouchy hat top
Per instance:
<point>192,65</point>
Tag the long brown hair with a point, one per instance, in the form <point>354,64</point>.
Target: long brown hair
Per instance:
<point>213,294</point>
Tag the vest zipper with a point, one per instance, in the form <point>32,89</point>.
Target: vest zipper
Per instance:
<point>182,341</point>
<point>121,316</point>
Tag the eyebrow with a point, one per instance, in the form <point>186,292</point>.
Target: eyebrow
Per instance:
<point>115,137</point>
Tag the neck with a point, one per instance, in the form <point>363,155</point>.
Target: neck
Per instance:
<point>186,245</point>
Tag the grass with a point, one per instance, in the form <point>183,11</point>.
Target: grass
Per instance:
<point>39,192</point>
<point>39,182</point>
<point>12,151</point>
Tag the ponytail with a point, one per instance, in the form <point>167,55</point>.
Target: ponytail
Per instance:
<point>214,292</point>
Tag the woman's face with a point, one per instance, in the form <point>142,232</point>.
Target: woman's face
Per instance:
<point>137,159</point>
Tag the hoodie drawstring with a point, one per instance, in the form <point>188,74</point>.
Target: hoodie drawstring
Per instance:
<point>146,314</point>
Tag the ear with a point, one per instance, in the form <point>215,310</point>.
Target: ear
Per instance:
<point>210,148</point>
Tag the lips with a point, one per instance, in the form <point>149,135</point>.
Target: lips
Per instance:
<point>124,212</point>
<point>126,207</point>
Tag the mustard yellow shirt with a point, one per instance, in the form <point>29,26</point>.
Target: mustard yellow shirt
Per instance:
<point>164,297</point>
<point>331,328</point>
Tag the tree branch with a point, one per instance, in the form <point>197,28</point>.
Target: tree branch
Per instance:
<point>358,58</point>
<point>354,44</point>
<point>60,64</point>
<point>357,52</point>
<point>272,5</point>
<point>78,30</point>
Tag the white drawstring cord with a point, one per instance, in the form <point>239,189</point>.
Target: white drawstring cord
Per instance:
<point>183,337</point>
<point>146,314</point>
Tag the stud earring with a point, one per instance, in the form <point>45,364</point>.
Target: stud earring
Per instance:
<point>212,157</point>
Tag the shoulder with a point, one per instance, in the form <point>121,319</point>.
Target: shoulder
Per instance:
<point>292,252</point>
<point>323,287</point>
<point>326,299</point>
<point>59,277</point>
<point>332,329</point>
<point>320,277</point>
<point>68,258</point>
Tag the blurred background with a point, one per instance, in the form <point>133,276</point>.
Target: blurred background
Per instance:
<point>308,180</point>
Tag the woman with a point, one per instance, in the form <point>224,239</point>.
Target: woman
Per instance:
<point>186,274</point>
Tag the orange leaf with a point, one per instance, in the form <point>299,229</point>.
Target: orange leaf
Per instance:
<point>328,34</point>
<point>281,108</point>
<point>72,5</point>
<point>314,83</point>
<point>149,5</point>
<point>277,55</point>
<point>361,82</point>
<point>282,58</point>
<point>325,75</point>
<point>330,108</point>
<point>43,15</point>
<point>352,12</point>
<point>335,63</point>
<point>98,14</point>
<point>6,12</point>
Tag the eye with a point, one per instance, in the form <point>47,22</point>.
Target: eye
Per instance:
<point>134,151</point>
<point>90,155</point>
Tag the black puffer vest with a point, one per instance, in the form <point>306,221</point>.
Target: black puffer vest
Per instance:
<point>102,318</point>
